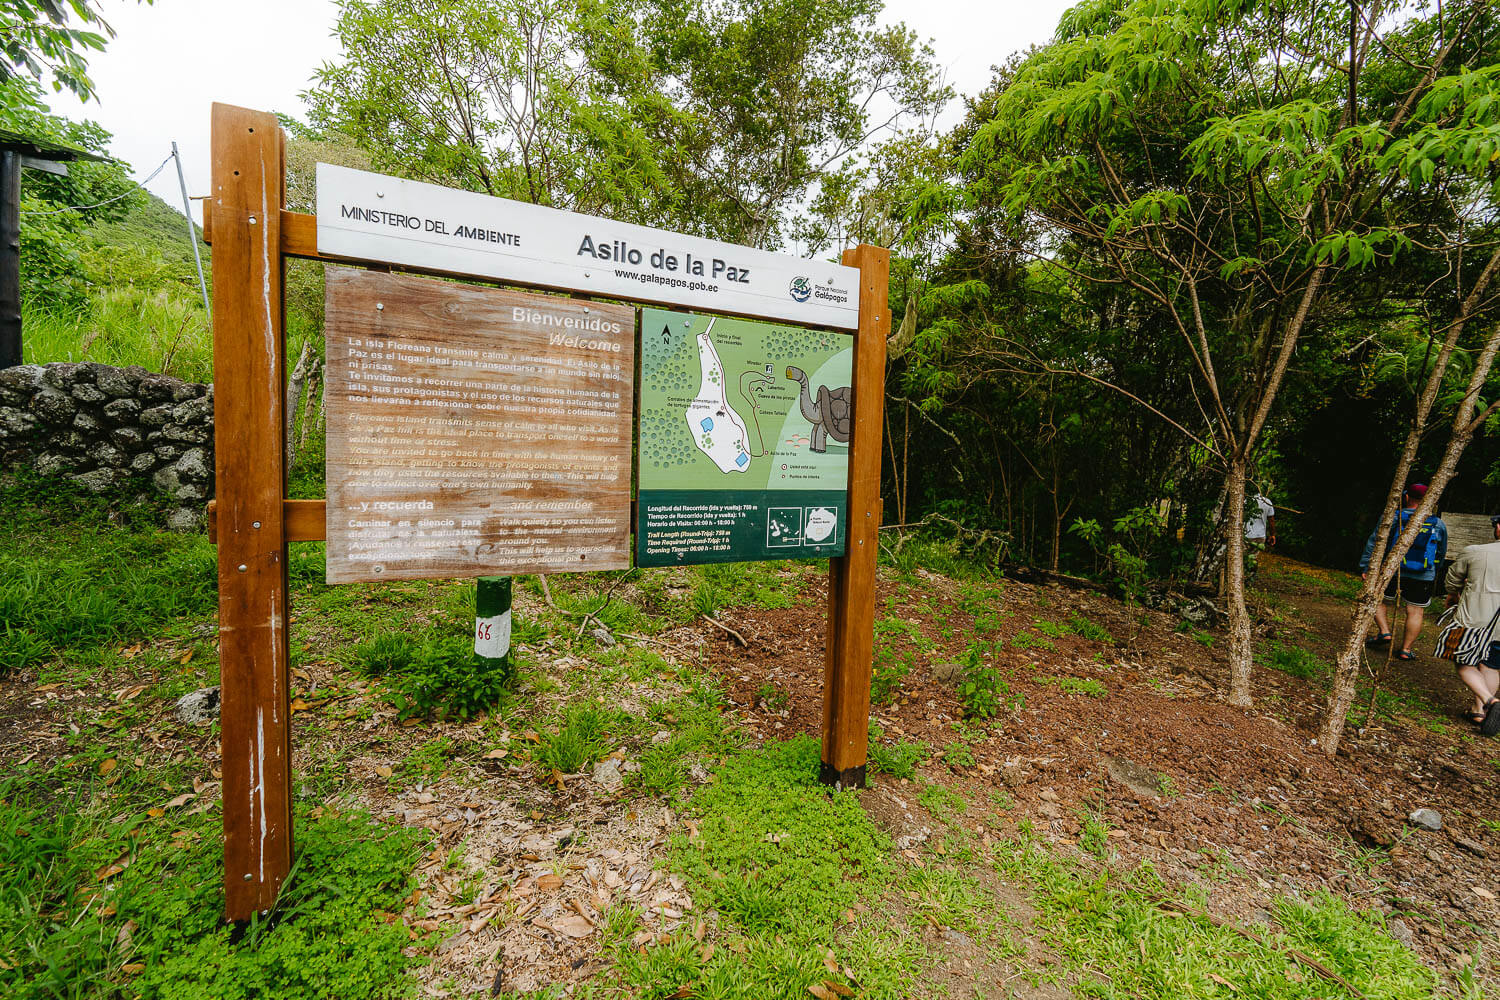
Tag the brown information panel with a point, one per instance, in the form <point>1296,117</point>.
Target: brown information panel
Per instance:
<point>474,431</point>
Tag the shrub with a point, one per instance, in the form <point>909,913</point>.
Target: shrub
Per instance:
<point>437,676</point>
<point>983,691</point>
<point>887,673</point>
<point>1085,629</point>
<point>899,760</point>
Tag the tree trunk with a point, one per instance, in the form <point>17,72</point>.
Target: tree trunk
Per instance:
<point>309,414</point>
<point>1382,567</point>
<point>1385,561</point>
<point>905,464</point>
<point>1057,516</point>
<point>1346,667</point>
<point>294,396</point>
<point>1241,646</point>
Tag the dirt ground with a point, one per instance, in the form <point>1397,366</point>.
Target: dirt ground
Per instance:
<point>1190,783</point>
<point>1241,802</point>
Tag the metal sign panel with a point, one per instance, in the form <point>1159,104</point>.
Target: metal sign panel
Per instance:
<point>474,431</point>
<point>743,440</point>
<point>373,217</point>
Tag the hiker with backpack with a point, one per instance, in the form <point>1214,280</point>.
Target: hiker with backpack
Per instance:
<point>1414,583</point>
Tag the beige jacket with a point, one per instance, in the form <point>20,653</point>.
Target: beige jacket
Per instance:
<point>1476,572</point>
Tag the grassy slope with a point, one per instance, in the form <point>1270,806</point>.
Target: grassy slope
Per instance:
<point>145,307</point>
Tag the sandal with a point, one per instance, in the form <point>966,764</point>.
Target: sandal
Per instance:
<point>1476,717</point>
<point>1379,640</point>
<point>1405,654</point>
<point>1491,724</point>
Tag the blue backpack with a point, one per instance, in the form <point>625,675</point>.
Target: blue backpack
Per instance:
<point>1419,558</point>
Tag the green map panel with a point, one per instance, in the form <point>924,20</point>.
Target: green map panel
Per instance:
<point>735,408</point>
<point>679,527</point>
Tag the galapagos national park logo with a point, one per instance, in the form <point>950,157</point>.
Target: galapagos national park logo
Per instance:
<point>801,289</point>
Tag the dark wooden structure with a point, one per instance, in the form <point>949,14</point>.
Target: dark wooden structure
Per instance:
<point>19,152</point>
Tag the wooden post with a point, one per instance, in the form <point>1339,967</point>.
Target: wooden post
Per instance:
<point>10,258</point>
<point>851,578</point>
<point>249,459</point>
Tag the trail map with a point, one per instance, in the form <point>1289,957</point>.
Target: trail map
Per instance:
<point>744,440</point>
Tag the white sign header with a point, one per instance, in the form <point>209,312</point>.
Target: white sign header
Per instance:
<point>424,226</point>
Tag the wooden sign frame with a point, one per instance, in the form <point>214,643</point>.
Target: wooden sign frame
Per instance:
<point>252,235</point>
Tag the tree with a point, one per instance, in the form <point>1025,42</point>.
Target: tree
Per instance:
<point>53,272</point>
<point>483,96</point>
<point>779,102</point>
<point>718,118</point>
<point>1248,171</point>
<point>37,39</point>
<point>1386,559</point>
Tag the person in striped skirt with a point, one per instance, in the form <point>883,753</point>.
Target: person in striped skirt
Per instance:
<point>1469,630</point>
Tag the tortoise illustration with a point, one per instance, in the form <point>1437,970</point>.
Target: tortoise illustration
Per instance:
<point>831,416</point>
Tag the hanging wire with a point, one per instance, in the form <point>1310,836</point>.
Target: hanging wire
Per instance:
<point>84,208</point>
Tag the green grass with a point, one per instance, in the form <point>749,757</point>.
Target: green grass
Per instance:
<point>899,759</point>
<point>958,754</point>
<point>581,737</point>
<point>1076,685</point>
<point>732,585</point>
<point>99,899</point>
<point>779,853</point>
<point>1082,627</point>
<point>427,763</point>
<point>696,727</point>
<point>887,672</point>
<point>937,554</point>
<point>945,804</point>
<point>1294,660</point>
<point>436,674</point>
<point>71,581</point>
<point>160,330</point>
<point>1128,934</point>
<point>979,597</point>
<point>144,306</point>
<point>1050,629</point>
<point>1026,640</point>
<point>1342,587</point>
<point>772,697</point>
<point>782,861</point>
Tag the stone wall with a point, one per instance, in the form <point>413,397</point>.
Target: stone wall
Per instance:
<point>110,429</point>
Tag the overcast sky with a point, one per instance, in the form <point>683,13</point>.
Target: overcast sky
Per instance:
<point>171,60</point>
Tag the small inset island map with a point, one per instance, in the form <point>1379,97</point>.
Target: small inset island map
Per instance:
<point>744,435</point>
<point>712,421</point>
